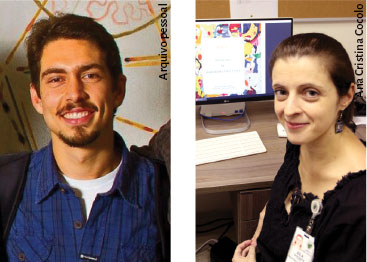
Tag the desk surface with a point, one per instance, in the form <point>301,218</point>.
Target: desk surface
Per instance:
<point>248,172</point>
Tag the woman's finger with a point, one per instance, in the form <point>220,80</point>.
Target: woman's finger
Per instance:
<point>245,251</point>
<point>241,247</point>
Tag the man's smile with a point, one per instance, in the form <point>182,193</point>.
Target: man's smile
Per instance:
<point>78,115</point>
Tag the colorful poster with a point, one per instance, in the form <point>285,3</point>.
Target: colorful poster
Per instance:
<point>230,59</point>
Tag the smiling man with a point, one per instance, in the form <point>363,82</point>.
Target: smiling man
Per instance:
<point>86,197</point>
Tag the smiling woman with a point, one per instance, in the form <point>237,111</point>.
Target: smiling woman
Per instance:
<point>306,99</point>
<point>319,191</point>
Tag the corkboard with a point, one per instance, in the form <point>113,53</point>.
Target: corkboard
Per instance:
<point>319,9</point>
<point>206,9</point>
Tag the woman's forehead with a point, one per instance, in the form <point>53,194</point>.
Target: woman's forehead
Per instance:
<point>296,71</point>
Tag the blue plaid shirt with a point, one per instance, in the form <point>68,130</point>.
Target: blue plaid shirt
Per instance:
<point>50,226</point>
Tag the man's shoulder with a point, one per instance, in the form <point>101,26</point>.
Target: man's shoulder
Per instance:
<point>141,163</point>
<point>37,157</point>
<point>145,158</point>
<point>142,167</point>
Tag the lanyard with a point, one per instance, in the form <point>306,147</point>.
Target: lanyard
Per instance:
<point>316,207</point>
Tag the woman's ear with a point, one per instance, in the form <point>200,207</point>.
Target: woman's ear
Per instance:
<point>347,98</point>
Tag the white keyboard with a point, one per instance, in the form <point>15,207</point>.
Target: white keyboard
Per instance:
<point>227,147</point>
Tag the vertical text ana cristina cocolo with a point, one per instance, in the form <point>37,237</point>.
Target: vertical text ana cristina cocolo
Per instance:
<point>359,53</point>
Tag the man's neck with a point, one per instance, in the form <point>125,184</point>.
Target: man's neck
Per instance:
<point>90,162</point>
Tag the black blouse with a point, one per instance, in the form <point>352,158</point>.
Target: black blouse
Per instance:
<point>340,229</point>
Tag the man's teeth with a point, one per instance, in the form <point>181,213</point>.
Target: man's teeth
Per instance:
<point>76,115</point>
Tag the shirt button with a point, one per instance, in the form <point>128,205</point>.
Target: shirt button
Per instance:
<point>21,257</point>
<point>62,190</point>
<point>78,224</point>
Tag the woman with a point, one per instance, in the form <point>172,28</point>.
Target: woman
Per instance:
<point>313,82</point>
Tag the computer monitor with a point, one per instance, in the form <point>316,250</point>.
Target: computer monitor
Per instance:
<point>232,61</point>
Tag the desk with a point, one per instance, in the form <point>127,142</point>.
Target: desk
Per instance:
<point>251,174</point>
<point>245,172</point>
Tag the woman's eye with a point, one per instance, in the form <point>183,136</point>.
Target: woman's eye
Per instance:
<point>280,92</point>
<point>312,93</point>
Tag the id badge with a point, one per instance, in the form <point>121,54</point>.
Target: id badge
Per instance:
<point>302,247</point>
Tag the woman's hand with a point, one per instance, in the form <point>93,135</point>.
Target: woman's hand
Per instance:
<point>245,252</point>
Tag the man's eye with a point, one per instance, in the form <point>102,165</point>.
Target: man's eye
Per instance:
<point>54,80</point>
<point>91,76</point>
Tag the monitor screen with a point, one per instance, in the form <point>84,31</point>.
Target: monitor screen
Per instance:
<point>232,58</point>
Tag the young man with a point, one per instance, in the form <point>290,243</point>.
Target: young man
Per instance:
<point>86,197</point>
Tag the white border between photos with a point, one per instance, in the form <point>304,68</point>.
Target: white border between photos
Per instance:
<point>183,131</point>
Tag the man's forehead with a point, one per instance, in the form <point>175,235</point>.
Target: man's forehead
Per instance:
<point>74,53</point>
<point>71,40</point>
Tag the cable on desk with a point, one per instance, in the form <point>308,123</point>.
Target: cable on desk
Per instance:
<point>214,228</point>
<point>208,242</point>
<point>226,230</point>
<point>212,242</point>
<point>213,221</point>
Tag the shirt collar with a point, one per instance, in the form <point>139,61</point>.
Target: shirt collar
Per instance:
<point>126,182</point>
<point>48,178</point>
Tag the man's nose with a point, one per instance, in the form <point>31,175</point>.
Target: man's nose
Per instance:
<point>75,90</point>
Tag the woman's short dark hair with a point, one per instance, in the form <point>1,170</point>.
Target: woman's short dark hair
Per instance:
<point>336,59</point>
<point>70,26</point>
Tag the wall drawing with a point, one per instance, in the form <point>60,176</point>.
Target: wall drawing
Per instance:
<point>137,27</point>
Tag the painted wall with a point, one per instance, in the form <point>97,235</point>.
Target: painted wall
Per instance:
<point>147,99</point>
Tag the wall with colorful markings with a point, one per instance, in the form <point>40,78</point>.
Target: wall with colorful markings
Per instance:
<point>145,53</point>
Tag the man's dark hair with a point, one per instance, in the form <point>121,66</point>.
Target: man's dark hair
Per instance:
<point>70,26</point>
<point>330,51</point>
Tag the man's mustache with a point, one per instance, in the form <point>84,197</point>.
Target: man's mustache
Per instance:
<point>69,106</point>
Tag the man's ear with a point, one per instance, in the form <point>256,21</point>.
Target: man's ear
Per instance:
<point>119,91</point>
<point>36,100</point>
<point>348,97</point>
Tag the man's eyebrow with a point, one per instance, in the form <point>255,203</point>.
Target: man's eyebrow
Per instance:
<point>51,71</point>
<point>91,66</point>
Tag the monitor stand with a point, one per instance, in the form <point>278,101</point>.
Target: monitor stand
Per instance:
<point>224,118</point>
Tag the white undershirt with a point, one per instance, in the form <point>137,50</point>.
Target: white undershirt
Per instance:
<point>87,190</point>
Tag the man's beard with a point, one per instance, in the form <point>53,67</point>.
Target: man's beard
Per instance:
<point>80,138</point>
